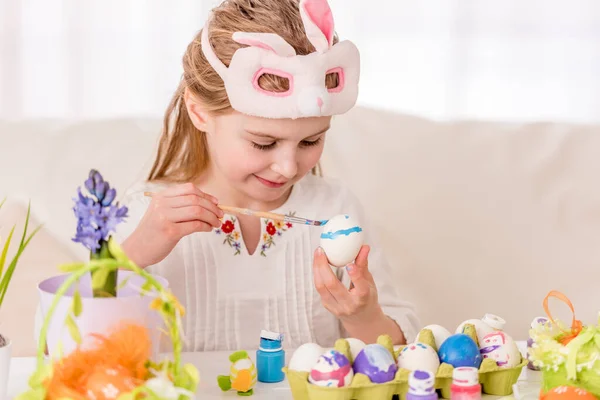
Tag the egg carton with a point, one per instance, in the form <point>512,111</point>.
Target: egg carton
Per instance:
<point>494,380</point>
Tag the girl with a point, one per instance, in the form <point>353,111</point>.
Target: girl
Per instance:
<point>246,128</point>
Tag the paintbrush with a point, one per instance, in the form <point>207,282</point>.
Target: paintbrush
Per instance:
<point>264,214</point>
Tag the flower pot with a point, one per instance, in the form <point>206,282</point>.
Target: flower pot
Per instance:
<point>5,354</point>
<point>99,315</point>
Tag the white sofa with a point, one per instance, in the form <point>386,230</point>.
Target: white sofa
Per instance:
<point>476,216</point>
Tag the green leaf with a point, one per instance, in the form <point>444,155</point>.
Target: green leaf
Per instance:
<point>116,251</point>
<point>11,268</point>
<point>73,329</point>
<point>59,350</point>
<point>104,263</point>
<point>147,286</point>
<point>194,376</point>
<point>26,225</point>
<point>77,305</point>
<point>126,396</point>
<point>99,278</point>
<point>123,283</point>
<point>5,250</point>
<point>33,394</point>
<point>39,376</point>
<point>31,236</point>
<point>71,267</point>
<point>145,393</point>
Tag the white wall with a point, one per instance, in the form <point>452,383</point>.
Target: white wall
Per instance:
<point>444,59</point>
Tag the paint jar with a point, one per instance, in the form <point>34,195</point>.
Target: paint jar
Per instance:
<point>270,357</point>
<point>421,386</point>
<point>465,384</point>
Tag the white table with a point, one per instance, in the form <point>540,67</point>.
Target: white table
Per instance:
<point>211,364</point>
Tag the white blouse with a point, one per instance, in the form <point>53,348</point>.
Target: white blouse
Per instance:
<point>230,295</point>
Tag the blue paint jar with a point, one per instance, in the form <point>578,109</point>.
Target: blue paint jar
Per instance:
<point>270,357</point>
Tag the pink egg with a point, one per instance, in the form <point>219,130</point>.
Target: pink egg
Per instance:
<point>332,369</point>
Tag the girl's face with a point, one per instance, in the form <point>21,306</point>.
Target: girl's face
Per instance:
<point>262,158</point>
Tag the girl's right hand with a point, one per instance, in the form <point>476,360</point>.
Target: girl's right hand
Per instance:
<point>172,214</point>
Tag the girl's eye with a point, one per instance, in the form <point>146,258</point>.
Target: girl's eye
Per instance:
<point>263,146</point>
<point>306,143</point>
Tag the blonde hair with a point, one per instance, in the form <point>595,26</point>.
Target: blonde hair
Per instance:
<point>182,152</point>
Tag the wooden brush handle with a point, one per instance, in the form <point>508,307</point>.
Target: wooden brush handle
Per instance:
<point>244,211</point>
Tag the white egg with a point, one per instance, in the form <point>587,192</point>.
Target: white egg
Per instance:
<point>356,345</point>
<point>419,356</point>
<point>481,328</point>
<point>440,334</point>
<point>341,240</point>
<point>305,357</point>
<point>501,348</point>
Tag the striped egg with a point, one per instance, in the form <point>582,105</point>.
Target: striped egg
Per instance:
<point>341,240</point>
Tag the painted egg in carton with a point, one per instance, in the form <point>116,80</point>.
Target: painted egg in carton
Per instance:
<point>352,370</point>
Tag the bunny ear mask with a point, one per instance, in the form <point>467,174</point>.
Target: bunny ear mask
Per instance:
<point>269,53</point>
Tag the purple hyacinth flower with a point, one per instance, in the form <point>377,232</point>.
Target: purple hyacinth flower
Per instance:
<point>95,175</point>
<point>110,217</point>
<point>88,236</point>
<point>101,190</point>
<point>89,185</point>
<point>122,212</point>
<point>86,209</point>
<point>97,216</point>
<point>109,197</point>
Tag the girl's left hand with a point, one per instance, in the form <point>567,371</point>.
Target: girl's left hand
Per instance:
<point>357,304</point>
<point>358,307</point>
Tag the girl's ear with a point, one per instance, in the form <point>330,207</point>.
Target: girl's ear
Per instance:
<point>197,114</point>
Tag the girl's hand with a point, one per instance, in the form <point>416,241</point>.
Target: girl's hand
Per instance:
<point>172,214</point>
<point>357,307</point>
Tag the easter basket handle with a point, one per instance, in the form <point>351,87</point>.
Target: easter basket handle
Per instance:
<point>576,325</point>
<point>184,376</point>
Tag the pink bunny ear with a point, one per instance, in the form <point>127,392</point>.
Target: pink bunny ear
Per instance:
<point>318,23</point>
<point>267,41</point>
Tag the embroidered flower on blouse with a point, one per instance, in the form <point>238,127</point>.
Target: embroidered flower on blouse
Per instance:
<point>231,235</point>
<point>228,226</point>
<point>273,228</point>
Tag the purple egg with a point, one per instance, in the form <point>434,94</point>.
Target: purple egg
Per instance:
<point>376,362</point>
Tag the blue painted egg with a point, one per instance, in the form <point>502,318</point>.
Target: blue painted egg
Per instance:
<point>460,350</point>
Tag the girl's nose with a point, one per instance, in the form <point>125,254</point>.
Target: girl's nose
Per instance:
<point>286,165</point>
